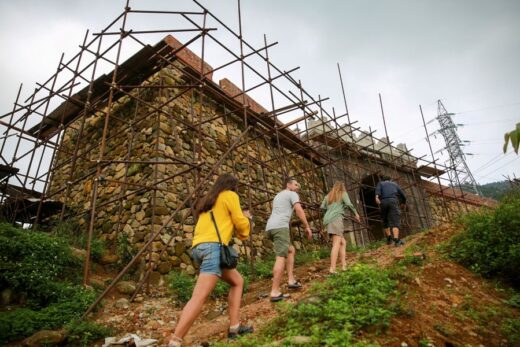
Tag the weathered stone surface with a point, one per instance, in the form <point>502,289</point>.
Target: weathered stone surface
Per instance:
<point>155,278</point>
<point>45,338</point>
<point>122,303</point>
<point>97,283</point>
<point>186,259</point>
<point>6,296</point>
<point>299,340</point>
<point>190,270</point>
<point>107,259</point>
<point>180,247</point>
<point>125,287</point>
<point>78,253</point>
<point>164,267</point>
<point>176,261</point>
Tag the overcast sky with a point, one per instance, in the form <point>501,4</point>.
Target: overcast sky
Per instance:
<point>464,52</point>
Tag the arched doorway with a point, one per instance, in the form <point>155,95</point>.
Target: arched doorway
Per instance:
<point>367,196</point>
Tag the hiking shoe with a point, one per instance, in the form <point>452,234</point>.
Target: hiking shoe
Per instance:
<point>389,240</point>
<point>280,297</point>
<point>242,330</point>
<point>399,242</point>
<point>295,285</point>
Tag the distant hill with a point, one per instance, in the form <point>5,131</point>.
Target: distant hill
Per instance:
<point>494,190</point>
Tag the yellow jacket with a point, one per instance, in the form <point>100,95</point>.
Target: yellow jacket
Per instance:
<point>228,216</point>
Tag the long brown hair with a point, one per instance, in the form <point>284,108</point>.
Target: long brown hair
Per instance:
<point>224,182</point>
<point>336,193</point>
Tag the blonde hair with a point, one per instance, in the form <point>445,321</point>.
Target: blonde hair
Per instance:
<point>336,193</point>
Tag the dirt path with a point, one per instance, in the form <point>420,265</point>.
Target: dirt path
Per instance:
<point>439,304</point>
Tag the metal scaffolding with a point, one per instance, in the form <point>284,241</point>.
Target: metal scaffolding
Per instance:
<point>325,145</point>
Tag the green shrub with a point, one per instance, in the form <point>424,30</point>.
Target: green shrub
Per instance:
<point>490,241</point>
<point>221,290</point>
<point>312,256</point>
<point>42,267</point>
<point>514,300</point>
<point>263,268</point>
<point>511,329</point>
<point>76,237</point>
<point>24,322</point>
<point>84,333</point>
<point>34,263</point>
<point>181,285</point>
<point>124,250</point>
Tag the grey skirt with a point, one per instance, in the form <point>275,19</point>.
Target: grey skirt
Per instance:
<point>336,227</point>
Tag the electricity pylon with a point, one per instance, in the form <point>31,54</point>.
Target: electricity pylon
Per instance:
<point>459,171</point>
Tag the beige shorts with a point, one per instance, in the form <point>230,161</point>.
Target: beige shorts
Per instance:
<point>281,241</point>
<point>336,227</point>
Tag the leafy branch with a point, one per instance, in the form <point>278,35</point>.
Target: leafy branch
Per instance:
<point>514,137</point>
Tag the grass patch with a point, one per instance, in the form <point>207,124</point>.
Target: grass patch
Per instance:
<point>84,333</point>
<point>359,298</point>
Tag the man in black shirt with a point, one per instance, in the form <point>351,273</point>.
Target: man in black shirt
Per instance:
<point>388,197</point>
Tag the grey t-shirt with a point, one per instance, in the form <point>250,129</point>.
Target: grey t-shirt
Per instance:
<point>283,206</point>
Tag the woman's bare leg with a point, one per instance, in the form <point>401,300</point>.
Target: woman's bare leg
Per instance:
<point>203,288</point>
<point>343,253</point>
<point>336,240</point>
<point>235,280</point>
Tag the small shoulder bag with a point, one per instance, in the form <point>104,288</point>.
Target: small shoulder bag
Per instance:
<point>228,255</point>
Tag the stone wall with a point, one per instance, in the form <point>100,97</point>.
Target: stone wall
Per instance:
<point>191,129</point>
<point>164,139</point>
<point>446,203</point>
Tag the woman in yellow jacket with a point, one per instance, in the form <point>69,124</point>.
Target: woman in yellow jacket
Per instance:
<point>225,205</point>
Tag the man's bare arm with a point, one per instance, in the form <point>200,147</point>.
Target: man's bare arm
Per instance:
<point>301,214</point>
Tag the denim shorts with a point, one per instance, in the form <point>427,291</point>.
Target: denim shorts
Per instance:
<point>207,256</point>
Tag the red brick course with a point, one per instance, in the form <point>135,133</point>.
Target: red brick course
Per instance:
<point>188,57</point>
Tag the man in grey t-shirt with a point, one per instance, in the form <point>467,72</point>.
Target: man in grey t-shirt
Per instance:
<point>278,230</point>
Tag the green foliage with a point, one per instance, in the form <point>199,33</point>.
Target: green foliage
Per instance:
<point>425,343</point>
<point>182,285</point>
<point>221,290</point>
<point>355,299</point>
<point>443,330</point>
<point>511,328</point>
<point>494,190</point>
<point>411,260</point>
<point>84,333</point>
<point>312,256</point>
<point>78,238</point>
<point>41,267</point>
<point>33,263</point>
<point>24,322</point>
<point>514,137</point>
<point>263,268</point>
<point>124,249</point>
<point>514,300</point>
<point>368,247</point>
<point>490,241</point>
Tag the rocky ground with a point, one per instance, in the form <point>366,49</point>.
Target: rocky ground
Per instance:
<point>443,304</point>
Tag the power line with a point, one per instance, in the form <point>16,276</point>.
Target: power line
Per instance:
<point>489,108</point>
<point>498,168</point>
<point>493,160</point>
<point>491,121</point>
